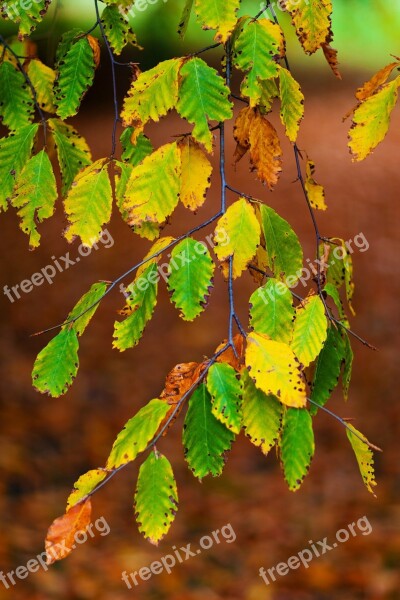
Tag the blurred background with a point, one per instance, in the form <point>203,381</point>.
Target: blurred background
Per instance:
<point>46,444</point>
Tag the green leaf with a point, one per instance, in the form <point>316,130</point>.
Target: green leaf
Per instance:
<point>85,308</point>
<point>275,369</point>
<point>152,95</point>
<point>257,50</point>
<point>297,446</point>
<point>262,415</point>
<point>219,15</point>
<point>371,120</point>
<point>15,151</point>
<point>137,433</point>
<point>56,365</point>
<point>332,291</point>
<point>76,74</point>
<point>141,302</point>
<point>340,269</point>
<point>269,91</point>
<point>16,102</point>
<point>42,78</point>
<point>88,203</point>
<point>66,41</point>
<point>85,485</point>
<point>292,103</point>
<point>149,197</point>
<point>327,370</point>
<point>310,330</point>
<point>203,96</point>
<point>205,439</point>
<point>348,365</point>
<point>272,312</point>
<point>237,234</point>
<point>185,17</point>
<point>284,251</point>
<point>364,456</point>
<point>72,150</point>
<point>137,152</point>
<point>35,194</point>
<point>116,28</point>
<point>156,497</point>
<point>226,389</point>
<point>191,277</point>
<point>27,14</point>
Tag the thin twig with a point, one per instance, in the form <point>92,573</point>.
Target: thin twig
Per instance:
<point>114,81</point>
<point>166,425</point>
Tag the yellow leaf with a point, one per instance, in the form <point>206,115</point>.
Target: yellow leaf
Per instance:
<point>312,20</point>
<point>315,192</point>
<point>152,95</point>
<point>88,203</point>
<point>42,78</point>
<point>237,234</point>
<point>371,120</point>
<point>275,370</point>
<point>292,103</point>
<point>196,173</point>
<point>219,15</point>
<point>152,192</point>
<point>364,456</point>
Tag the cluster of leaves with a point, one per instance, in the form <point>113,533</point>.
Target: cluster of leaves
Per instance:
<point>269,381</point>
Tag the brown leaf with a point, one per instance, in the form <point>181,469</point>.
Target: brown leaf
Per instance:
<point>177,383</point>
<point>60,539</point>
<point>253,131</point>
<point>331,56</point>
<point>241,132</point>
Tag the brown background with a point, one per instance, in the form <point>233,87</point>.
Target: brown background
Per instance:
<point>46,444</point>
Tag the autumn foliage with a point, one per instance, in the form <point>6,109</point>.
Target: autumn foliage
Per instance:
<point>269,378</point>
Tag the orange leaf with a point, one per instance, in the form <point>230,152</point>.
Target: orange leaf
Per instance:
<point>95,46</point>
<point>241,132</point>
<point>265,150</point>
<point>371,86</point>
<point>229,356</point>
<point>253,131</point>
<point>61,536</point>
